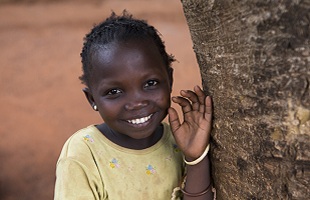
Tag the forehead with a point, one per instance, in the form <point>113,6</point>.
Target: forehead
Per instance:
<point>119,57</point>
<point>126,51</point>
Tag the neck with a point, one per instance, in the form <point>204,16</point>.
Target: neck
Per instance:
<point>128,142</point>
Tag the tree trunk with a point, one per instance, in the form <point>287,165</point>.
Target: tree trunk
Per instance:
<point>254,58</point>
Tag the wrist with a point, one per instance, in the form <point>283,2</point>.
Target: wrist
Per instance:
<point>190,161</point>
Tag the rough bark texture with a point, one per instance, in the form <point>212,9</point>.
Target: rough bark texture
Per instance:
<point>254,59</point>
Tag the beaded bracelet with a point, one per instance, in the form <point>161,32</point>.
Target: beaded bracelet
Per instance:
<point>195,162</point>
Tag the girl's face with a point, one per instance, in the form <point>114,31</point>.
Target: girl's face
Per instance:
<point>131,87</point>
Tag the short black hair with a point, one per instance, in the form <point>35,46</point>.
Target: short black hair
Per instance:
<point>119,28</point>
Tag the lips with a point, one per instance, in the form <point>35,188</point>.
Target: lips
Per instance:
<point>140,120</point>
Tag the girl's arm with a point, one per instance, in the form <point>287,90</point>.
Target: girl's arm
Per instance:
<point>198,180</point>
<point>192,137</point>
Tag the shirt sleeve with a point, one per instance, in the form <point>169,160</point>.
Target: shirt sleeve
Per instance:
<point>75,181</point>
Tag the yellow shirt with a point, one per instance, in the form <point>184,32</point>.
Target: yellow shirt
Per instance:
<point>92,167</point>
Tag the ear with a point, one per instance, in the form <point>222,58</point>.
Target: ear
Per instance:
<point>170,74</point>
<point>89,97</point>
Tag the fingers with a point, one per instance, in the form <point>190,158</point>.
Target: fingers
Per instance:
<point>208,108</point>
<point>192,96</point>
<point>184,103</point>
<point>194,101</point>
<point>201,97</point>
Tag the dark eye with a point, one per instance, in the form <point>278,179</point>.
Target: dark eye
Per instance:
<point>114,92</point>
<point>151,83</point>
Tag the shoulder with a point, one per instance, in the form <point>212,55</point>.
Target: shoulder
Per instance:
<point>79,143</point>
<point>84,135</point>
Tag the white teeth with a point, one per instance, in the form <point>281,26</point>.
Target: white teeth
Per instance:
<point>140,120</point>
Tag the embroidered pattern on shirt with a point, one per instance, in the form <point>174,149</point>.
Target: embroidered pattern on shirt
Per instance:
<point>88,138</point>
<point>150,170</point>
<point>114,163</point>
<point>176,148</point>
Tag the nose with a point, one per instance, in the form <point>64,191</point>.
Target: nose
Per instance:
<point>135,105</point>
<point>136,102</point>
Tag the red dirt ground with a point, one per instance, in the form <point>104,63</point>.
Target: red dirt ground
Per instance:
<point>41,99</point>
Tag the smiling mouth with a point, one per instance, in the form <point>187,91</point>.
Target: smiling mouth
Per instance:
<point>140,120</point>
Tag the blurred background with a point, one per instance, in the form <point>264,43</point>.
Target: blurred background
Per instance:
<point>41,100</point>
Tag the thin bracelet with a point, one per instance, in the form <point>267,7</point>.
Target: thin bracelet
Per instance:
<point>195,162</point>
<point>196,194</point>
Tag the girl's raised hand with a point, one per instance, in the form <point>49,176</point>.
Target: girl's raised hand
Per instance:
<point>193,135</point>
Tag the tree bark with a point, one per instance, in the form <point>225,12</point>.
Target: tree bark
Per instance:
<point>254,58</point>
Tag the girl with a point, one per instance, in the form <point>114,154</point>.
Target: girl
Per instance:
<point>133,155</point>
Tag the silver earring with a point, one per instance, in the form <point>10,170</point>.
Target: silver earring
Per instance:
<point>95,108</point>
